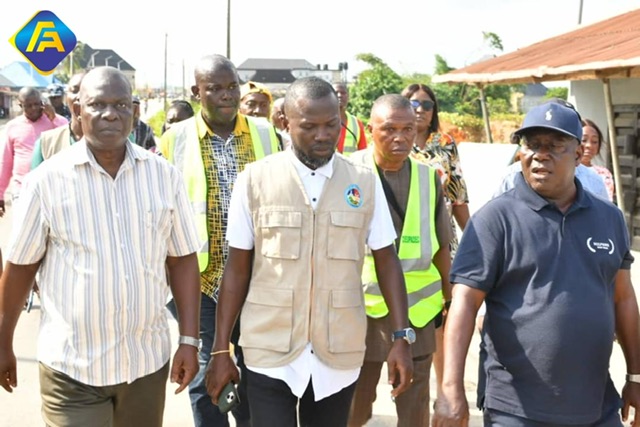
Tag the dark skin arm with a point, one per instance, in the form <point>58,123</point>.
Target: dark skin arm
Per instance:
<point>15,284</point>
<point>628,334</point>
<point>394,292</point>
<point>461,214</point>
<point>184,279</point>
<point>442,261</point>
<point>233,292</point>
<point>452,408</point>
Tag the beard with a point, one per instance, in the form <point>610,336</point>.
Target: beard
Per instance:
<point>310,162</point>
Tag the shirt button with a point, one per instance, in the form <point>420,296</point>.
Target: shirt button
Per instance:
<point>314,199</point>
<point>313,174</point>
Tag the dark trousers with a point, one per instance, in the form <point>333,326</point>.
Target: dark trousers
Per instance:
<point>493,418</point>
<point>205,413</point>
<point>274,405</point>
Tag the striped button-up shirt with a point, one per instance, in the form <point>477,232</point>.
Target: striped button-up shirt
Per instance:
<point>103,243</point>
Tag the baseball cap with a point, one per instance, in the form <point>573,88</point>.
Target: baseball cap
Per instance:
<point>135,99</point>
<point>554,115</point>
<point>54,90</point>
<point>254,87</point>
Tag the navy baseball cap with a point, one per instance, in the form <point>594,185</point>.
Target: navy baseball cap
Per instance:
<point>554,115</point>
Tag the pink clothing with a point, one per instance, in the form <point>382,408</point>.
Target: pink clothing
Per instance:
<point>20,135</point>
<point>606,176</point>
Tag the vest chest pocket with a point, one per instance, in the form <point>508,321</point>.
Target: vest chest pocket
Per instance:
<point>281,233</point>
<point>344,237</point>
<point>347,321</point>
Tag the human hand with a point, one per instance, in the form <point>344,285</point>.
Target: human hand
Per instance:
<point>400,367</point>
<point>49,111</point>
<point>220,371</point>
<point>1,208</point>
<point>451,409</point>
<point>8,371</point>
<point>631,397</point>
<point>185,366</point>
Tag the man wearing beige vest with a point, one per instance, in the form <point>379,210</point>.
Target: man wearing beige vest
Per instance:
<point>52,141</point>
<point>298,224</point>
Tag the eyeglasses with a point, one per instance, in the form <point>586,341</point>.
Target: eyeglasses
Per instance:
<point>426,105</point>
<point>556,147</point>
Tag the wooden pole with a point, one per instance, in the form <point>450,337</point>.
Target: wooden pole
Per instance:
<point>608,103</point>
<point>485,115</point>
<point>229,29</point>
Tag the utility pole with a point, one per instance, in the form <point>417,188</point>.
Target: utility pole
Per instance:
<point>71,64</point>
<point>229,29</point>
<point>580,13</point>
<point>164,99</point>
<point>184,92</point>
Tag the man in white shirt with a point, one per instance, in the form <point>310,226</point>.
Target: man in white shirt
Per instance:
<point>101,247</point>
<point>298,223</point>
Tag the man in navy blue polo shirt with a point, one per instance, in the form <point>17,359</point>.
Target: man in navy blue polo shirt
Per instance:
<point>552,263</point>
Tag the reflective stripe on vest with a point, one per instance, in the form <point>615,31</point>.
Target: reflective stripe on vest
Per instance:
<point>351,135</point>
<point>422,279</point>
<point>187,157</point>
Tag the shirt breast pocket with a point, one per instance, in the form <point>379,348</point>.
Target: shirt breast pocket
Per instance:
<point>344,236</point>
<point>281,234</point>
<point>156,233</point>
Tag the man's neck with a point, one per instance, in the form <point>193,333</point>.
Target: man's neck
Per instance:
<point>223,130</point>
<point>110,159</point>
<point>386,164</point>
<point>343,115</point>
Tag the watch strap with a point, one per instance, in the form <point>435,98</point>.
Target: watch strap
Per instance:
<point>192,341</point>
<point>633,378</point>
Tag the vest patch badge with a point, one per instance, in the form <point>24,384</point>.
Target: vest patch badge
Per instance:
<point>352,196</point>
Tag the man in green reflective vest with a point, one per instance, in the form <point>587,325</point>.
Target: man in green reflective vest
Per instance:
<point>420,217</point>
<point>352,136</point>
<point>210,149</point>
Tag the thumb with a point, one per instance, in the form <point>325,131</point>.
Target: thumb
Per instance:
<point>625,410</point>
<point>176,369</point>
<point>391,373</point>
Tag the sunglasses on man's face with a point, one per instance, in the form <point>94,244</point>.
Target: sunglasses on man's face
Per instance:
<point>426,105</point>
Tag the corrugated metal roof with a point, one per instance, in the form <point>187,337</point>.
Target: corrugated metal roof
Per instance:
<point>606,49</point>
<point>276,64</point>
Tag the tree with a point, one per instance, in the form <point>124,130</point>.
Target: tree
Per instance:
<point>557,92</point>
<point>62,72</point>
<point>493,40</point>
<point>370,84</point>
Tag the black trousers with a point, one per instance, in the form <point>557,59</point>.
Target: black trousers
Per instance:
<point>272,404</point>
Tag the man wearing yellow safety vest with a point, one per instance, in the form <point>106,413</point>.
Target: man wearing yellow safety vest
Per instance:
<point>352,137</point>
<point>210,149</point>
<point>420,217</point>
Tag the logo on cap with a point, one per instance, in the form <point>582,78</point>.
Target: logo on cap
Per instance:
<point>44,41</point>
<point>548,116</point>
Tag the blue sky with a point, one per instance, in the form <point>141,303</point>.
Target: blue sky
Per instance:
<point>406,34</point>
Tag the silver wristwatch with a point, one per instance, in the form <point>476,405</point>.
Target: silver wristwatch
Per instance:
<point>195,342</point>
<point>633,378</point>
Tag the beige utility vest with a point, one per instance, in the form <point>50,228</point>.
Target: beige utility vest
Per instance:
<point>55,140</point>
<point>306,278</point>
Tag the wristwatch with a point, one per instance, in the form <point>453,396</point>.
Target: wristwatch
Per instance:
<point>407,334</point>
<point>633,378</point>
<point>195,342</point>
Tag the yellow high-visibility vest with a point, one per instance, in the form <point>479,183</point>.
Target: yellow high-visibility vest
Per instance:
<point>184,152</point>
<point>418,243</point>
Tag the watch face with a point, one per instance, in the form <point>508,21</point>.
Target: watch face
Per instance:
<point>411,335</point>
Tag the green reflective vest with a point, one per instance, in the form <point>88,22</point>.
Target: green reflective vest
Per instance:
<point>185,154</point>
<point>418,244</point>
<point>351,135</point>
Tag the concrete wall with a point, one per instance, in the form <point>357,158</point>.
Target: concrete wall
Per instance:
<point>588,97</point>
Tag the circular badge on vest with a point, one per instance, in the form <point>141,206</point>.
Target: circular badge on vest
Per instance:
<point>352,196</point>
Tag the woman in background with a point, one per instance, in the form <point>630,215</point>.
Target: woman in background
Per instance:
<point>591,144</point>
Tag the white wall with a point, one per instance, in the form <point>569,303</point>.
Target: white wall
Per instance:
<point>588,97</point>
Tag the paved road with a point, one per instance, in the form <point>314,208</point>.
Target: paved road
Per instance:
<point>22,408</point>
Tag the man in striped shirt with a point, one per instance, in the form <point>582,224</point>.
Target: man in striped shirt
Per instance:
<point>101,248</point>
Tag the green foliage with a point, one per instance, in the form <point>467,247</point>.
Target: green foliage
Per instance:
<point>493,40</point>
<point>463,121</point>
<point>441,65</point>
<point>62,70</point>
<point>157,121</point>
<point>557,92</point>
<point>416,78</point>
<point>380,79</point>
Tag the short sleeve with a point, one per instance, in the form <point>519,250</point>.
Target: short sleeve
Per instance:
<point>184,238</point>
<point>381,231</point>
<point>240,232</point>
<point>30,229</point>
<point>476,263</point>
